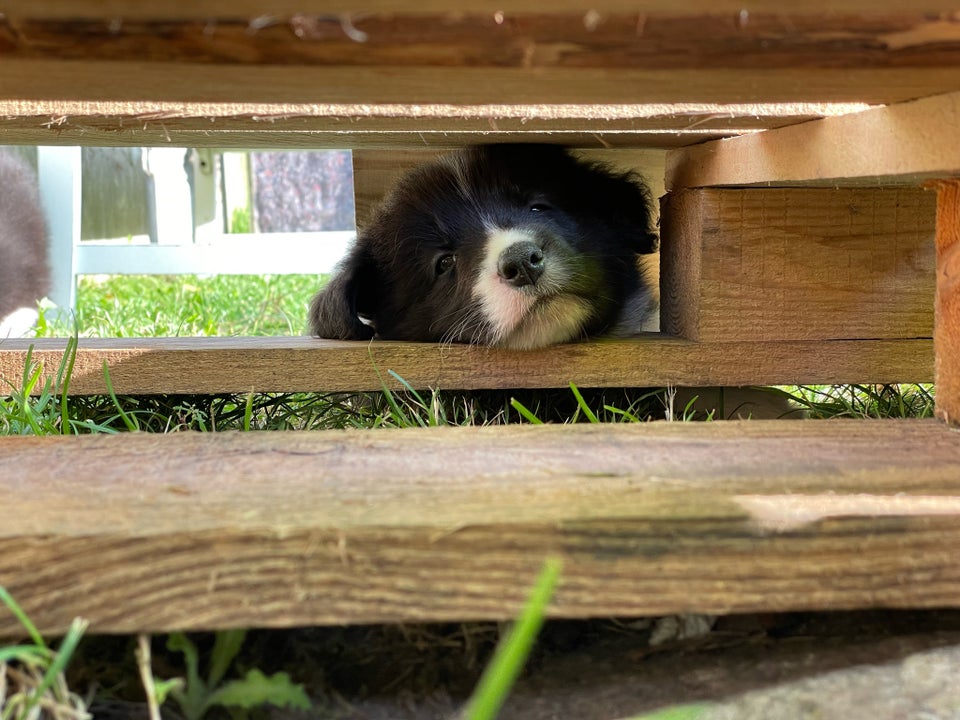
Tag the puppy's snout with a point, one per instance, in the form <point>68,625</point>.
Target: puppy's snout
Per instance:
<point>521,263</point>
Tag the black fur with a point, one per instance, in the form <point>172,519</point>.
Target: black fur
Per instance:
<point>24,277</point>
<point>422,269</point>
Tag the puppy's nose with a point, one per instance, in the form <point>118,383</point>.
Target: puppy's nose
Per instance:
<point>521,264</point>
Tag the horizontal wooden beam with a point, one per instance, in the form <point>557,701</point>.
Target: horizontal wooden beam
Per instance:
<point>144,532</point>
<point>210,365</point>
<point>95,73</point>
<point>254,9</point>
<point>123,82</point>
<point>904,144</point>
<point>532,40</point>
<point>398,125</point>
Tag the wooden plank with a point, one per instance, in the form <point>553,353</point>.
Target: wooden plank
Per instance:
<point>193,531</point>
<point>79,77</point>
<point>254,9</point>
<point>904,143</point>
<point>210,365</point>
<point>35,80</point>
<point>538,39</point>
<point>798,263</point>
<point>396,125</point>
<point>947,326</point>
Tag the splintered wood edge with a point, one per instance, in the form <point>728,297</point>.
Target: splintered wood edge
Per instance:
<point>904,143</point>
<point>279,364</point>
<point>143,532</point>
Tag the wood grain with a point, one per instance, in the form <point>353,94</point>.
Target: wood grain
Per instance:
<point>387,126</point>
<point>210,365</point>
<point>192,531</point>
<point>905,143</point>
<point>108,10</point>
<point>797,39</point>
<point>798,263</point>
<point>946,336</point>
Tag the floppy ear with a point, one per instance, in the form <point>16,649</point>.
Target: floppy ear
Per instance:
<point>335,310</point>
<point>626,202</point>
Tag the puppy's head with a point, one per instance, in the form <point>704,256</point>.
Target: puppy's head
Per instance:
<point>519,246</point>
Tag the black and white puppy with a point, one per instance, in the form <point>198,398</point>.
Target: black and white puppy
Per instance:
<point>516,246</point>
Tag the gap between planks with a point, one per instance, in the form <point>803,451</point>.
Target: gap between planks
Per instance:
<point>141,532</point>
<point>288,364</point>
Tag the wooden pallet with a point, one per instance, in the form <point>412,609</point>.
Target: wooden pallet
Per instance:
<point>799,246</point>
<point>147,532</point>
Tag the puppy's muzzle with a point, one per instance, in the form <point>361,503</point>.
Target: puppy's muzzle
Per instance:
<point>521,264</point>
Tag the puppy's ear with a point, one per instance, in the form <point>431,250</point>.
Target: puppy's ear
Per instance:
<point>335,310</point>
<point>627,205</point>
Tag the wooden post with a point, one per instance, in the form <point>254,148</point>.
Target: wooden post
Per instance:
<point>946,335</point>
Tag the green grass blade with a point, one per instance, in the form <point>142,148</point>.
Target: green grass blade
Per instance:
<point>248,412</point>
<point>511,655</point>
<point>35,637</point>
<point>524,412</point>
<point>26,654</point>
<point>128,420</point>
<point>582,404</point>
<point>63,381</point>
<point>226,645</point>
<point>59,664</point>
<point>678,712</point>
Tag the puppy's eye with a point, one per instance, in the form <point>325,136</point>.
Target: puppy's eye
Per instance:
<point>540,206</point>
<point>445,263</point>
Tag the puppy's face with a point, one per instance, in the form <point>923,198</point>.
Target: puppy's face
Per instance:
<point>515,246</point>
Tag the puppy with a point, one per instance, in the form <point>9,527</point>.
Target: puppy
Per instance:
<point>515,246</point>
<point>24,275</point>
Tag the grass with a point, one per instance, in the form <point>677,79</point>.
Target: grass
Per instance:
<point>185,305</point>
<point>32,683</point>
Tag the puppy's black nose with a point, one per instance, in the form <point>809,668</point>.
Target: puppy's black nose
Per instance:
<point>521,264</point>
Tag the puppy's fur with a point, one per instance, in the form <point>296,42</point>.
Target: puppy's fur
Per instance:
<point>24,275</point>
<point>518,246</point>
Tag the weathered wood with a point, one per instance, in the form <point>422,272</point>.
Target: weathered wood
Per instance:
<point>341,125</point>
<point>798,263</point>
<point>946,337</point>
<point>150,533</point>
<point>904,143</point>
<point>209,365</point>
<point>509,39</point>
<point>425,85</point>
<point>109,10</point>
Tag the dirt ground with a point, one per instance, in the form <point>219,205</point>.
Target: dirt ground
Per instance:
<point>881,665</point>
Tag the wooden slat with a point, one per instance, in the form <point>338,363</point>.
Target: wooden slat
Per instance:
<point>156,73</point>
<point>123,82</point>
<point>947,316</point>
<point>798,263</point>
<point>254,9</point>
<point>533,40</point>
<point>399,125</point>
<point>904,143</point>
<point>149,533</point>
<point>208,365</point>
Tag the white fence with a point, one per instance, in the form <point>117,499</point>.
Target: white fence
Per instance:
<point>213,253</point>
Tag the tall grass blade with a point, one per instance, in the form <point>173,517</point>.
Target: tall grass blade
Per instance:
<point>511,655</point>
